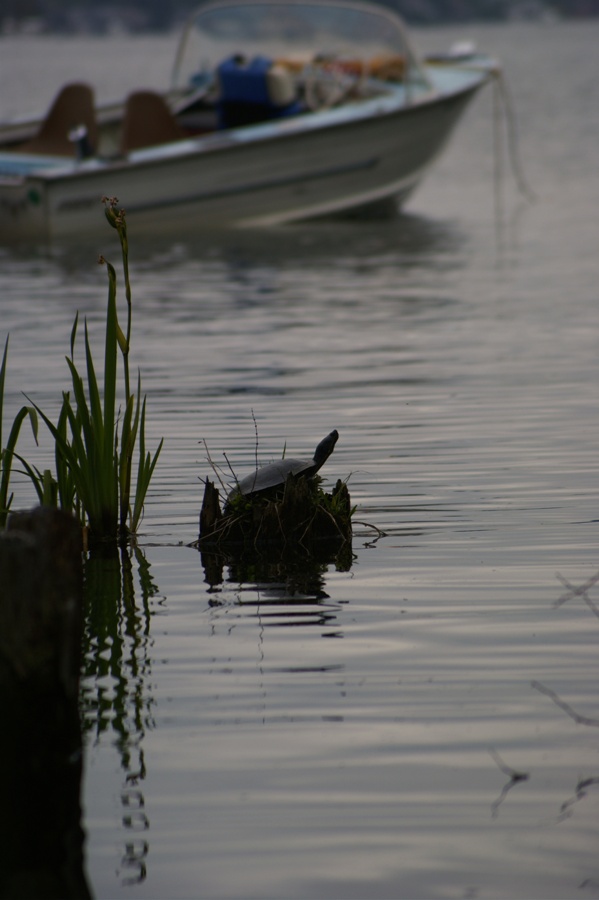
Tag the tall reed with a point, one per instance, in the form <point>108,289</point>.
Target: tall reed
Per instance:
<point>95,440</point>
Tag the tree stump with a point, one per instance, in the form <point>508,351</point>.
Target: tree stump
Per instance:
<point>298,513</point>
<point>41,595</point>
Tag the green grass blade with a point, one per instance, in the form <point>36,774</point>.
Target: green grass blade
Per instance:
<point>145,470</point>
<point>74,334</point>
<point>71,454</point>
<point>110,364</point>
<point>2,380</point>
<point>34,475</point>
<point>6,459</point>
<point>128,434</point>
<point>95,404</point>
<point>66,487</point>
<point>86,429</point>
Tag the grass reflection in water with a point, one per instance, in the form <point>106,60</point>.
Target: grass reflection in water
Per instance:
<point>116,695</point>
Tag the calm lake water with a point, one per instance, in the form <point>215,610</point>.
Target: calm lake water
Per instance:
<point>334,733</point>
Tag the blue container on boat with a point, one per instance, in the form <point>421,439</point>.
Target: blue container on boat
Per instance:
<point>244,82</point>
<point>244,97</point>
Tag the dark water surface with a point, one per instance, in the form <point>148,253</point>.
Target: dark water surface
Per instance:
<point>330,733</point>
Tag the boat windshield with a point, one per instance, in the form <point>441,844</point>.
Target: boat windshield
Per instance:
<point>297,32</point>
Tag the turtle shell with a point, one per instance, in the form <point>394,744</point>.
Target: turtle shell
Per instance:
<point>277,473</point>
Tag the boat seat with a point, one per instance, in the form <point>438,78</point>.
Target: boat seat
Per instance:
<point>148,122</point>
<point>72,107</point>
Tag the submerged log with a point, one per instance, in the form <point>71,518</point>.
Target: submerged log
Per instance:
<point>41,593</point>
<point>298,513</point>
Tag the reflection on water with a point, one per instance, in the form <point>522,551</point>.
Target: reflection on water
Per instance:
<point>296,570</point>
<point>121,601</point>
<point>116,692</point>
<point>281,588</point>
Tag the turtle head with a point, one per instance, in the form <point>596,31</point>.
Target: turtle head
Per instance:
<point>325,448</point>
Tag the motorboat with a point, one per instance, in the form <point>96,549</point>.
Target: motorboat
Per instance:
<point>278,111</point>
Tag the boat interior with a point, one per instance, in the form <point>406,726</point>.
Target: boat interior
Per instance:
<point>241,92</point>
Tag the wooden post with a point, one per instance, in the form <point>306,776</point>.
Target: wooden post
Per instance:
<point>41,596</point>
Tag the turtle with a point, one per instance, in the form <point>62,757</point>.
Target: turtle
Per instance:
<point>276,473</point>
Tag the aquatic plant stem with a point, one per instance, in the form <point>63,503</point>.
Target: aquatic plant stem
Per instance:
<point>95,440</point>
<point>7,453</point>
